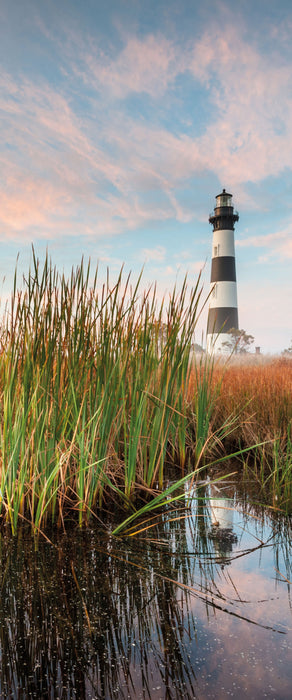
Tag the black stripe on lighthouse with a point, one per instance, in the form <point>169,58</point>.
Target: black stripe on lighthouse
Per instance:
<point>223,269</point>
<point>222,319</point>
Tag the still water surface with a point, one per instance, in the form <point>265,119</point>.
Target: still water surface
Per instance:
<point>197,606</point>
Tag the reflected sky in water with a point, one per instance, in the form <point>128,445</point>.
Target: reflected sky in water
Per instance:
<point>196,606</point>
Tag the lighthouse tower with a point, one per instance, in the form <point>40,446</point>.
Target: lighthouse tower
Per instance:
<point>223,313</point>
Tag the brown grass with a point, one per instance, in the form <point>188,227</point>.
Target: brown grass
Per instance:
<point>259,392</point>
<point>262,393</point>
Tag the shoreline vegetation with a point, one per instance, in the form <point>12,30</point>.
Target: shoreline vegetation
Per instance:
<point>101,391</point>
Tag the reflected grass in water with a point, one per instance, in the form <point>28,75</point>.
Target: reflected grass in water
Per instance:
<point>96,616</point>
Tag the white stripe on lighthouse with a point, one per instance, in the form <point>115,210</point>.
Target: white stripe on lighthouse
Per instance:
<point>223,294</point>
<point>223,243</point>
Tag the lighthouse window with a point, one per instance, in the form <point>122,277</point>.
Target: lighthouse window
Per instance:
<point>224,200</point>
<point>215,251</point>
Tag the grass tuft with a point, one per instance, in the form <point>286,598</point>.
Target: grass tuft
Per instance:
<point>100,390</point>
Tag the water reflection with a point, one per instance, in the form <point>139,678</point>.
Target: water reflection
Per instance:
<point>166,614</point>
<point>222,518</point>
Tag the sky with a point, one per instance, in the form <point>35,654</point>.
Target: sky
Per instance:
<point>121,120</point>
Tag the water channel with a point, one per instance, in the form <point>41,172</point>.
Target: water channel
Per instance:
<point>196,606</point>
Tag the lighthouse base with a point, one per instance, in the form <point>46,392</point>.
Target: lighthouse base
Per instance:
<point>216,343</point>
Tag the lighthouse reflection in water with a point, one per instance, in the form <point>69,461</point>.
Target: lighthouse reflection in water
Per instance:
<point>221,530</point>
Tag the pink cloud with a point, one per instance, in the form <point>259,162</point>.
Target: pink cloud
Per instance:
<point>250,136</point>
<point>63,161</point>
<point>143,65</point>
<point>31,202</point>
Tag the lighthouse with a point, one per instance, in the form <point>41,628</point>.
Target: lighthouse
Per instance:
<point>223,312</point>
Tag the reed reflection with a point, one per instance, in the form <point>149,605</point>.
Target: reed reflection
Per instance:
<point>92,616</point>
<point>79,620</point>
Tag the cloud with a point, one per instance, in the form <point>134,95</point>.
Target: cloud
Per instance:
<point>143,65</point>
<point>77,154</point>
<point>57,166</point>
<point>157,254</point>
<point>250,136</point>
<point>278,245</point>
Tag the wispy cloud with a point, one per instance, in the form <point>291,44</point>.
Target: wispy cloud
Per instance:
<point>145,65</point>
<point>277,245</point>
<point>95,161</point>
<point>251,134</point>
<point>157,253</point>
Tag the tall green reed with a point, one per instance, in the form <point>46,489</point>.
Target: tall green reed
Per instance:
<point>93,382</point>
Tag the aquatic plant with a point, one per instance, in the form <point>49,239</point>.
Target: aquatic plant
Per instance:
<point>93,383</point>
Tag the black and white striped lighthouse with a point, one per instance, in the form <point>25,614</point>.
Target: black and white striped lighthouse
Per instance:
<point>223,312</point>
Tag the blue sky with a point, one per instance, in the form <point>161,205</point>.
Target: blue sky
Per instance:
<point>121,121</point>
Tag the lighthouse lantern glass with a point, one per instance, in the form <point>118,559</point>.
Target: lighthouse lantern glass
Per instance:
<point>224,200</point>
